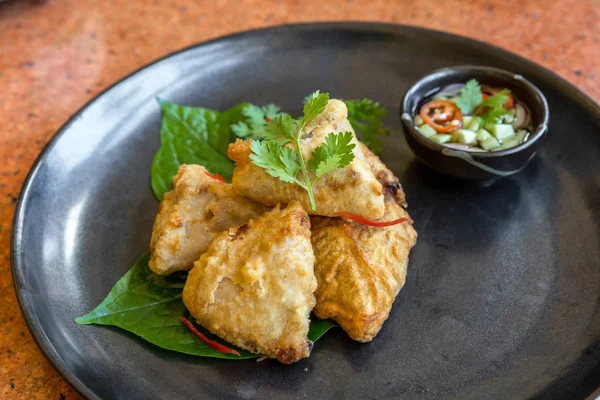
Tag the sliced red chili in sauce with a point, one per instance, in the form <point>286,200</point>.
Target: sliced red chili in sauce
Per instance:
<point>215,345</point>
<point>441,115</point>
<point>369,222</point>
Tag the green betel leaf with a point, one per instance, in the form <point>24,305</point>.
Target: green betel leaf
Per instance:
<point>149,306</point>
<point>192,135</point>
<point>318,327</point>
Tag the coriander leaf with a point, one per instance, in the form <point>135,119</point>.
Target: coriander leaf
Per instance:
<point>319,154</point>
<point>329,164</point>
<point>255,119</point>
<point>289,159</point>
<point>335,153</point>
<point>254,115</point>
<point>192,135</point>
<point>278,161</point>
<point>364,108</point>
<point>366,116</point>
<point>339,144</point>
<point>470,97</point>
<point>149,306</point>
<point>270,111</point>
<point>493,107</point>
<point>281,127</point>
<point>241,129</point>
<point>307,98</point>
<point>492,115</point>
<point>497,100</point>
<point>286,162</point>
<point>314,106</point>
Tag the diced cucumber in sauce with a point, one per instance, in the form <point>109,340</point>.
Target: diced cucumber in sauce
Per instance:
<point>490,144</point>
<point>489,127</point>
<point>483,135</point>
<point>441,138</point>
<point>508,118</point>
<point>465,136</point>
<point>510,143</point>
<point>503,131</point>
<point>475,124</point>
<point>475,135</point>
<point>426,130</point>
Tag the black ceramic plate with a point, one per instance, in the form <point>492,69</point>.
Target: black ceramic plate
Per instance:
<point>503,287</point>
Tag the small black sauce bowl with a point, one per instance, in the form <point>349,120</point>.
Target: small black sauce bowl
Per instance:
<point>477,166</point>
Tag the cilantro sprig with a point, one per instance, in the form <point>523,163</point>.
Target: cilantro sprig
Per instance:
<point>471,100</point>
<point>492,108</point>
<point>366,117</point>
<point>470,97</point>
<point>280,153</point>
<point>255,119</point>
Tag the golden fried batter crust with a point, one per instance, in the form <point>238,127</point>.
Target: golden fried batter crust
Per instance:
<point>190,216</point>
<point>353,189</point>
<point>360,270</point>
<point>254,286</point>
<point>391,184</point>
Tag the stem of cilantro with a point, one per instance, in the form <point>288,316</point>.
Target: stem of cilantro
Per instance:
<point>308,183</point>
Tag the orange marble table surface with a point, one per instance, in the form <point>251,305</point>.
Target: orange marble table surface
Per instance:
<point>56,55</point>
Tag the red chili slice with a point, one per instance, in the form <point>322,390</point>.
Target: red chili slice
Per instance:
<point>370,222</point>
<point>217,176</point>
<point>215,345</point>
<point>489,92</point>
<point>441,115</point>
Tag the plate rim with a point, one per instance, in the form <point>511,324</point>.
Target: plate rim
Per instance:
<point>16,239</point>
